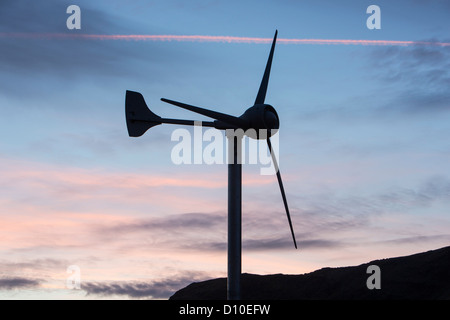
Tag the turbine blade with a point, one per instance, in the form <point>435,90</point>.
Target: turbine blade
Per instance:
<point>234,121</point>
<point>265,80</point>
<point>280,182</point>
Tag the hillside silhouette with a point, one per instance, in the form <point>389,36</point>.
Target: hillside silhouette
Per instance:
<point>422,276</point>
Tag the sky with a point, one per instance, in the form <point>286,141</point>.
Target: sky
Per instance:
<point>364,148</point>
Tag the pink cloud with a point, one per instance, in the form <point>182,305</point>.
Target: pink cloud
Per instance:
<point>44,205</point>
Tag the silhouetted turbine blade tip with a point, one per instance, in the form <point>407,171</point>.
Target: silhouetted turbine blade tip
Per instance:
<point>261,97</point>
<point>283,194</point>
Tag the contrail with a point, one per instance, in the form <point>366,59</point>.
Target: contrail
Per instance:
<point>223,39</point>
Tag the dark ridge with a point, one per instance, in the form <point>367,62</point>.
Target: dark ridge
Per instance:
<point>422,276</point>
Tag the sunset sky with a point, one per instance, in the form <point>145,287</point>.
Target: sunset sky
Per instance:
<point>364,140</point>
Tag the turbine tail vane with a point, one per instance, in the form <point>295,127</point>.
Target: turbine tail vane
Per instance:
<point>138,116</point>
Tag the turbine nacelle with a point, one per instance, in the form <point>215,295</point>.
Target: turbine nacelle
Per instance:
<point>262,118</point>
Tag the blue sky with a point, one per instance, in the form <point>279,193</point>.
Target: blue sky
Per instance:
<point>364,148</point>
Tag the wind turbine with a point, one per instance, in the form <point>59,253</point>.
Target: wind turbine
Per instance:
<point>261,117</point>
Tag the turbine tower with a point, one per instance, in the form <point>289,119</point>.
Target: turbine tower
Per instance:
<point>261,117</point>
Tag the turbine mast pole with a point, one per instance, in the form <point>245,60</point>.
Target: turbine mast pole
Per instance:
<point>234,214</point>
